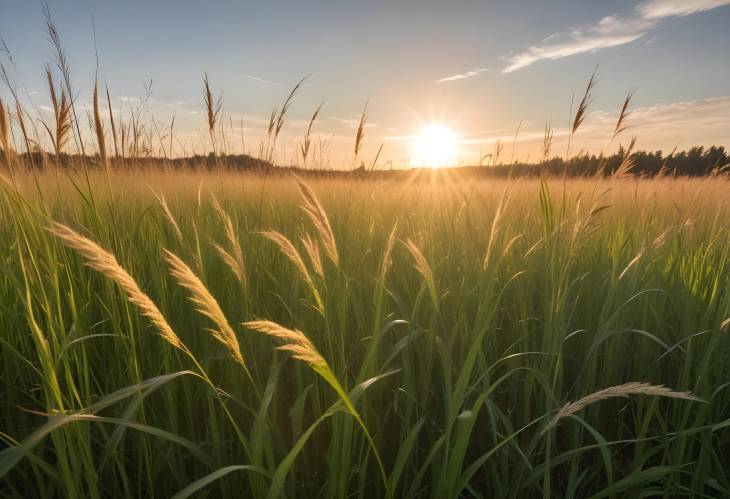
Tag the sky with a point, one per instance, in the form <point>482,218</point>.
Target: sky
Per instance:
<point>479,68</point>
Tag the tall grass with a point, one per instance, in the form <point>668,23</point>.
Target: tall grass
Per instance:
<point>440,366</point>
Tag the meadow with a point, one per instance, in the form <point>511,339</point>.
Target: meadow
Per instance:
<point>219,334</point>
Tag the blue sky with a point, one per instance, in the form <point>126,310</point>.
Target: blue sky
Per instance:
<point>480,67</point>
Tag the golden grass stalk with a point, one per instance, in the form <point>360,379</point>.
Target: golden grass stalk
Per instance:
<point>627,160</point>
<point>5,129</point>
<point>206,305</point>
<point>632,388</point>
<point>168,214</point>
<point>388,252</point>
<point>293,341</point>
<point>213,109</point>
<point>104,262</point>
<point>547,141</point>
<point>234,261</point>
<point>582,111</point>
<point>585,102</point>
<point>63,67</point>
<point>312,248</point>
<point>99,127</point>
<point>496,223</point>
<point>301,348</point>
<point>360,135</point>
<point>314,210</point>
<point>307,141</point>
<point>423,268</point>
<point>623,115</point>
<point>288,249</point>
<point>61,115</point>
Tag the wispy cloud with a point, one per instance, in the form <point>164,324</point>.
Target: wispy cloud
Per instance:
<point>658,9</point>
<point>260,79</point>
<point>609,31</point>
<point>467,74</point>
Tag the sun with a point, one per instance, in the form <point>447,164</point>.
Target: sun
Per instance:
<point>434,146</point>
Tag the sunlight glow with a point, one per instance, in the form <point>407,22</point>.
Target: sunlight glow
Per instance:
<point>434,146</point>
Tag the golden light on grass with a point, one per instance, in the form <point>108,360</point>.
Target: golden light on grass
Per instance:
<point>434,146</point>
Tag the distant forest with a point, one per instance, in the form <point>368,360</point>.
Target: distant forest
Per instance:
<point>696,161</point>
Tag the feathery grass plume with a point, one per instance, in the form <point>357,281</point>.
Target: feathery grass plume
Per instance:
<point>623,115</point>
<point>314,210</point>
<point>307,142</point>
<point>547,141</point>
<point>288,249</point>
<point>360,135</point>
<point>496,223</point>
<point>99,127</point>
<point>63,67</point>
<point>627,160</point>
<point>632,388</point>
<point>168,214</point>
<point>388,251</point>
<point>61,114</point>
<point>423,268</point>
<point>104,262</point>
<point>301,348</point>
<point>206,305</point>
<point>293,341</point>
<point>111,119</point>
<point>235,261</point>
<point>213,108</point>
<point>277,120</point>
<point>312,248</point>
<point>582,111</point>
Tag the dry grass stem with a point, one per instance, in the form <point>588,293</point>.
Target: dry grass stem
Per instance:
<point>632,388</point>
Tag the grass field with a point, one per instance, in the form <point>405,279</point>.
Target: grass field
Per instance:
<point>430,335</point>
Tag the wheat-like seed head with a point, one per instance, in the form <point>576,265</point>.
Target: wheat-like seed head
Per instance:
<point>623,115</point>
<point>423,268</point>
<point>231,235</point>
<point>632,388</point>
<point>314,210</point>
<point>495,227</point>
<point>388,252</point>
<point>230,262</point>
<point>168,214</point>
<point>288,249</point>
<point>585,102</point>
<point>205,304</point>
<point>104,262</point>
<point>293,341</point>
<point>312,249</point>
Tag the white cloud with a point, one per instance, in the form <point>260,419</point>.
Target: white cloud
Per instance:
<point>467,74</point>
<point>610,31</point>
<point>260,79</point>
<point>577,45</point>
<point>658,9</point>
